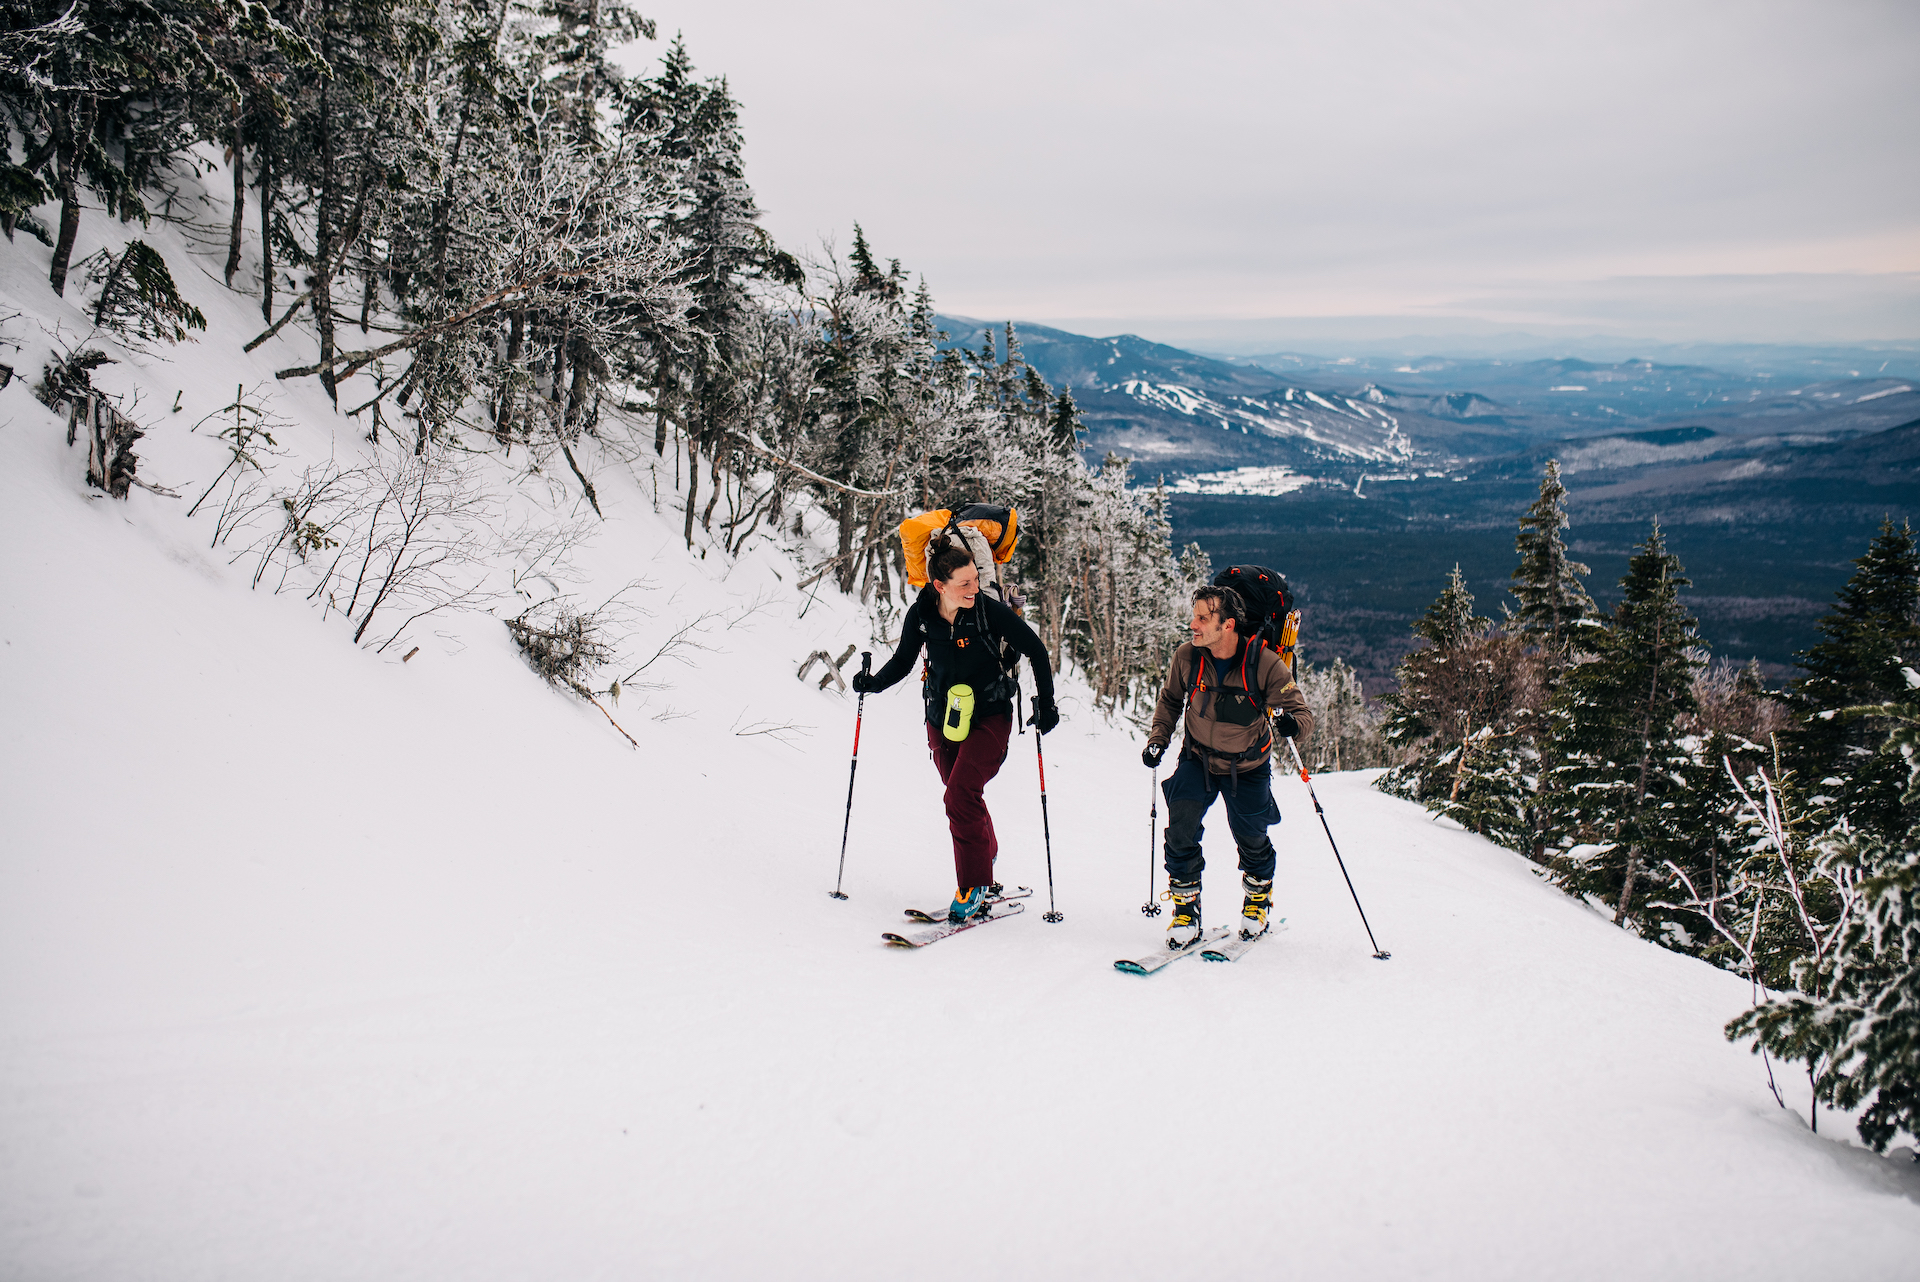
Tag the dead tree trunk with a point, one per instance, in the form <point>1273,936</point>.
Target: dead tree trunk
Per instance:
<point>111,461</point>
<point>71,133</point>
<point>848,562</point>
<point>266,234</point>
<point>239,189</point>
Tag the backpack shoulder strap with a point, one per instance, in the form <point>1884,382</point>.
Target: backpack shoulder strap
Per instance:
<point>1200,666</point>
<point>1252,650</point>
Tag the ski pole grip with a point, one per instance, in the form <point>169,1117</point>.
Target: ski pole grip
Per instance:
<point>866,661</point>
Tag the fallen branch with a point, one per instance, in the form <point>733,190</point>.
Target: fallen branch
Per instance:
<point>585,484</point>
<point>278,325</point>
<point>813,476</point>
<point>586,694</point>
<point>356,361</point>
<point>161,490</point>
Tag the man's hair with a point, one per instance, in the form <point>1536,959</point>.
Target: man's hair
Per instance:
<point>946,555</point>
<point>1226,604</point>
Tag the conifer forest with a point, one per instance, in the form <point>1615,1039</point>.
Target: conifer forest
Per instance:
<point>1770,832</point>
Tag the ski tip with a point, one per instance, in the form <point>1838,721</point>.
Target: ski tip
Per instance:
<point>1130,967</point>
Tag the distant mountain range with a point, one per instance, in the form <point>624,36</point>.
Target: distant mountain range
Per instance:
<point>1365,482</point>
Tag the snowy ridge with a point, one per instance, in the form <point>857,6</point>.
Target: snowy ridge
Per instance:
<point>1343,427</point>
<point>322,962</point>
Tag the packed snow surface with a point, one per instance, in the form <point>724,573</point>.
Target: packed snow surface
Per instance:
<point>317,964</point>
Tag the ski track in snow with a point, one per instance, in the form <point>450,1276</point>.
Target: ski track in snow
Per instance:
<point>314,964</point>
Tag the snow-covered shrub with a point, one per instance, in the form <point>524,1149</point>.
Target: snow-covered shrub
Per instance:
<point>563,644</point>
<point>1733,700</point>
<point>65,378</point>
<point>137,297</point>
<point>410,535</point>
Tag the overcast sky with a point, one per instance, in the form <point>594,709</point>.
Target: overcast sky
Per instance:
<point>1689,169</point>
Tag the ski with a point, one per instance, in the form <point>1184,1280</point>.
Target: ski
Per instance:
<point>933,934</point>
<point>1167,956</point>
<point>1236,948</point>
<point>1018,892</point>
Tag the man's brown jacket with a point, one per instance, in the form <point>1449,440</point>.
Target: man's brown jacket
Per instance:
<point>1226,720</point>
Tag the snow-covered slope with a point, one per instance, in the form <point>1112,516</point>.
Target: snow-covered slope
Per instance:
<point>319,964</point>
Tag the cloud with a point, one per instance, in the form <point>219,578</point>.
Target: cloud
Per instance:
<point>1225,159</point>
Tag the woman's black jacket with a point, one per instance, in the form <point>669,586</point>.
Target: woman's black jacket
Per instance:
<point>979,648</point>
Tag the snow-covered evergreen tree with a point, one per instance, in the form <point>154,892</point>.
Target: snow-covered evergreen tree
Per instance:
<point>1852,1013</point>
<point>1553,600</point>
<point>1618,722</point>
<point>1464,713</point>
<point>1868,638</point>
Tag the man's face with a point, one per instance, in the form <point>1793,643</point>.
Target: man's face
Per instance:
<point>1206,628</point>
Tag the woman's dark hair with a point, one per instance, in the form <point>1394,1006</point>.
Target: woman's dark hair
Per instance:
<point>1226,605</point>
<point>946,554</point>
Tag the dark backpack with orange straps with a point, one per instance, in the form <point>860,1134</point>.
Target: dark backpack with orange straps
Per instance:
<point>1268,602</point>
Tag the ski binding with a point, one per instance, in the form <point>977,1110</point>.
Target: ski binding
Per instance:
<point>933,934</point>
<point>1167,956</point>
<point>1236,947</point>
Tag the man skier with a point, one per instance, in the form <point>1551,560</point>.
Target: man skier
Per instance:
<point>1236,698</point>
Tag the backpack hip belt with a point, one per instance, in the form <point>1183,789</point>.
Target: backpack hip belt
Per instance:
<point>1234,760</point>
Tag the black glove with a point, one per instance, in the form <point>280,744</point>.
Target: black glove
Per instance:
<point>865,683</point>
<point>1285,726</point>
<point>1045,716</point>
<point>1152,753</point>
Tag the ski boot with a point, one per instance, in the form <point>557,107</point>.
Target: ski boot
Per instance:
<point>1185,927</point>
<point>1253,914</point>
<point>968,901</point>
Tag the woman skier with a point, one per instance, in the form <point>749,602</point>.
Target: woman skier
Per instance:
<point>973,645</point>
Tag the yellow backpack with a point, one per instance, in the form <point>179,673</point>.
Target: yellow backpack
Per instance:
<point>998,526</point>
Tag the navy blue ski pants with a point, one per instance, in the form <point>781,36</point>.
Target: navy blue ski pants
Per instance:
<point>1251,810</point>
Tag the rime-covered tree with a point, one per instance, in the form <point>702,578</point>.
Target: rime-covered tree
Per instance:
<point>103,94</point>
<point>1346,730</point>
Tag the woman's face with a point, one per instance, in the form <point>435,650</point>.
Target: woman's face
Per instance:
<point>960,590</point>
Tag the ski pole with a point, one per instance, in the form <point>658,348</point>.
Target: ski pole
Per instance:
<point>859,714</point>
<point>1052,914</point>
<point>1378,952</point>
<point>1151,909</point>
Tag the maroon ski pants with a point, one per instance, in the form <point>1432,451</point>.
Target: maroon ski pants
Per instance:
<point>965,768</point>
